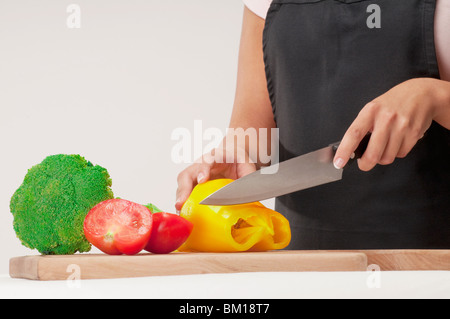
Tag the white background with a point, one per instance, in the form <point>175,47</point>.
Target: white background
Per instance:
<point>113,90</point>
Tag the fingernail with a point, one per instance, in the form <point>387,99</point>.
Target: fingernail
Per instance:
<point>200,178</point>
<point>339,163</point>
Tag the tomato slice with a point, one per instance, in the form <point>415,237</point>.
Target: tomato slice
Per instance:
<point>118,226</point>
<point>169,233</point>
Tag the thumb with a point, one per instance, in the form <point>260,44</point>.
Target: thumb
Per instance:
<point>203,174</point>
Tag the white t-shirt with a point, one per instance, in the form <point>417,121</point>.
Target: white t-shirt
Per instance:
<point>259,7</point>
<point>442,30</point>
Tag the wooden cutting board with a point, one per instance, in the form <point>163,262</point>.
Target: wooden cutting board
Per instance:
<point>94,266</point>
<point>90,266</point>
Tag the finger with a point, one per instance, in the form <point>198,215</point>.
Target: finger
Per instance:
<point>203,174</point>
<point>406,147</point>
<point>393,148</point>
<point>353,137</point>
<point>186,182</point>
<point>376,148</point>
<point>381,135</point>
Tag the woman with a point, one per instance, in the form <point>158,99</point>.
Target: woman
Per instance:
<point>339,69</point>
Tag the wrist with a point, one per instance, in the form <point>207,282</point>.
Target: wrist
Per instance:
<point>440,96</point>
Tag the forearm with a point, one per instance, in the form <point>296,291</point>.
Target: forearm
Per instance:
<point>252,117</point>
<point>250,130</point>
<point>251,127</point>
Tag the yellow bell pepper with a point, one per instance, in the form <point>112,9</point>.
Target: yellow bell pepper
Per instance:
<point>247,227</point>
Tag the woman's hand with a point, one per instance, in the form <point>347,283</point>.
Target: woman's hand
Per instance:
<point>397,120</point>
<point>252,109</point>
<point>217,164</point>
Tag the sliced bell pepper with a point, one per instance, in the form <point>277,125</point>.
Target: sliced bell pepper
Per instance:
<point>247,227</point>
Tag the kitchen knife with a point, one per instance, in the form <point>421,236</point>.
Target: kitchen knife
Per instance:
<point>293,175</point>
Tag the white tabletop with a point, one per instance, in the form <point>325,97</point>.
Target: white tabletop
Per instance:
<point>242,286</point>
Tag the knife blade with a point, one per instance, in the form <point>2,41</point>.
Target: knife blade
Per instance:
<point>300,173</point>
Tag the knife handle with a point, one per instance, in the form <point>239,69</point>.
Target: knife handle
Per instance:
<point>359,152</point>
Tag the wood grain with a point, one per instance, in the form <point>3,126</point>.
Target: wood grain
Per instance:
<point>409,260</point>
<point>92,266</point>
<point>144,265</point>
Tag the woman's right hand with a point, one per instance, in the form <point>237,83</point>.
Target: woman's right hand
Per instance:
<point>217,164</point>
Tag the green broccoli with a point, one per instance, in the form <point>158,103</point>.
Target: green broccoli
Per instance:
<point>50,206</point>
<point>153,209</point>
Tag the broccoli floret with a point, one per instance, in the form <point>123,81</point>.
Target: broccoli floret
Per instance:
<point>153,209</point>
<point>50,206</point>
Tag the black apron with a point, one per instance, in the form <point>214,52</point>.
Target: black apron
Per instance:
<point>325,60</point>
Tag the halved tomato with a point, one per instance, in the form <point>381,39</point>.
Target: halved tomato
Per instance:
<point>118,226</point>
<point>169,232</point>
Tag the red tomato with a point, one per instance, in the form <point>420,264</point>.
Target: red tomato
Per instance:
<point>169,233</point>
<point>118,226</point>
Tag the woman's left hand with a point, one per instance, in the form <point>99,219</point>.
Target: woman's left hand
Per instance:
<point>397,120</point>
